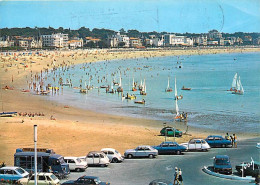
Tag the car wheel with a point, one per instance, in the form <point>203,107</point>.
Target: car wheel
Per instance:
<point>129,156</point>
<point>77,170</point>
<point>223,146</point>
<point>204,150</point>
<point>103,165</point>
<point>150,156</point>
<point>115,160</point>
<point>178,152</point>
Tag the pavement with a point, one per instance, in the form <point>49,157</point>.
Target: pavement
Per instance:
<point>143,171</point>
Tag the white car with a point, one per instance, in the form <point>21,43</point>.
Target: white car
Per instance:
<point>113,155</point>
<point>96,159</point>
<point>42,179</point>
<point>76,163</point>
<point>196,144</point>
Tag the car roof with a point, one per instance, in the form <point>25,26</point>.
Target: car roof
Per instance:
<point>222,157</point>
<point>9,168</point>
<point>87,177</point>
<point>169,142</point>
<point>214,136</point>
<point>71,157</point>
<point>144,146</point>
<point>43,173</point>
<point>95,152</point>
<point>111,149</point>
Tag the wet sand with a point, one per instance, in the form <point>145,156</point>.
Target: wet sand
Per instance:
<point>75,132</point>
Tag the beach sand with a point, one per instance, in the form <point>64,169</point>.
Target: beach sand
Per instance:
<point>75,132</point>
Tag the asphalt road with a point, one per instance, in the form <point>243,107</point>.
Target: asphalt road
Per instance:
<point>143,171</point>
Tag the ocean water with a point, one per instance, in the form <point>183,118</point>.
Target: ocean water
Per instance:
<point>208,104</point>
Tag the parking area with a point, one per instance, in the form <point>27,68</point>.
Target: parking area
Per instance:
<point>143,171</point>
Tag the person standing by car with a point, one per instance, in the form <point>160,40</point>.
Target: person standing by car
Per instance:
<point>232,140</point>
<point>235,140</point>
<point>176,173</point>
<point>227,137</point>
<point>180,177</point>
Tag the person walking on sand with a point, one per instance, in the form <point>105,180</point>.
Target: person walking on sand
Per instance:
<point>176,176</point>
<point>180,180</point>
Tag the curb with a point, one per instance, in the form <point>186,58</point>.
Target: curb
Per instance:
<point>231,177</point>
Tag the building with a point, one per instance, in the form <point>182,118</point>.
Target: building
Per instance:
<point>200,41</point>
<point>75,43</point>
<point>168,39</point>
<point>135,42</point>
<point>94,40</point>
<point>57,40</point>
<point>173,40</point>
<point>119,40</point>
<point>212,43</point>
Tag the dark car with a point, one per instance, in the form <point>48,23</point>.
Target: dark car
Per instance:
<point>218,141</point>
<point>86,180</point>
<point>222,164</point>
<point>170,148</point>
<point>250,168</point>
<point>170,132</point>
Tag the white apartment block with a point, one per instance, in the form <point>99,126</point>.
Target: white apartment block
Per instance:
<point>173,40</point>
<point>57,40</point>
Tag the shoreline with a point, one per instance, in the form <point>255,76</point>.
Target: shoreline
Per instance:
<point>95,126</point>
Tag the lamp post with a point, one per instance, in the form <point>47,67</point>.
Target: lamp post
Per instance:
<point>35,154</point>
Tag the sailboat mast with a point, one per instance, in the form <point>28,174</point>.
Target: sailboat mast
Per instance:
<point>175,88</point>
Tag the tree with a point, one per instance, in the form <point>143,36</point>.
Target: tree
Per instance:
<point>91,44</point>
<point>102,44</point>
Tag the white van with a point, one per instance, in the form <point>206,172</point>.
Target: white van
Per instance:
<point>97,159</point>
<point>113,155</point>
<point>76,164</point>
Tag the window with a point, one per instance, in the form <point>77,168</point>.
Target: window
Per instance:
<point>110,152</point>
<point>102,156</point>
<point>48,178</point>
<point>96,156</point>
<point>20,170</point>
<point>211,138</point>
<point>81,181</point>
<point>218,138</point>
<point>53,177</point>
<point>172,145</point>
<point>164,145</point>
<point>192,141</point>
<point>90,155</point>
<point>41,178</point>
<point>71,161</point>
<point>9,172</point>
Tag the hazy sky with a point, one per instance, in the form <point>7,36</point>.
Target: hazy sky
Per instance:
<point>195,16</point>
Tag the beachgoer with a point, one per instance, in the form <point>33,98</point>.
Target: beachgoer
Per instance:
<point>227,136</point>
<point>176,176</point>
<point>180,177</point>
<point>232,140</point>
<point>235,140</point>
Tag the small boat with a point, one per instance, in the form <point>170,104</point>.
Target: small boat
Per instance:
<point>143,89</point>
<point>134,87</point>
<point>178,116</point>
<point>185,88</point>
<point>25,90</point>
<point>239,88</point>
<point>140,102</point>
<point>120,89</point>
<point>234,83</point>
<point>130,97</point>
<point>103,86</point>
<point>8,114</point>
<point>168,89</point>
<point>83,91</point>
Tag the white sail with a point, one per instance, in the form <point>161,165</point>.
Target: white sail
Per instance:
<point>175,89</point>
<point>141,84</point>
<point>120,81</point>
<point>168,83</point>
<point>234,81</point>
<point>85,84</point>
<point>177,108</point>
<point>144,85</point>
<point>133,82</point>
<point>112,86</point>
<point>238,84</point>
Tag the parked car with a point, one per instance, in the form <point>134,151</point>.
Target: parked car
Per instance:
<point>170,148</point>
<point>95,158</point>
<point>12,173</point>
<point>141,151</point>
<point>222,164</point>
<point>113,155</point>
<point>86,180</point>
<point>76,163</point>
<point>218,141</point>
<point>42,179</point>
<point>249,168</point>
<point>197,145</point>
<point>160,182</point>
<point>170,132</point>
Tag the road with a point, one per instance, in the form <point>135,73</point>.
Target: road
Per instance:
<point>143,171</point>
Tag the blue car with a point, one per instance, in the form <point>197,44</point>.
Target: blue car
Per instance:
<point>218,141</point>
<point>12,173</point>
<point>222,164</point>
<point>170,148</point>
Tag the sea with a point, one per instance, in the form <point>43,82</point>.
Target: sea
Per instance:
<point>209,105</point>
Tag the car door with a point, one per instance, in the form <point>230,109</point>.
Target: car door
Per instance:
<point>164,148</point>
<point>90,158</point>
<point>96,159</point>
<point>72,164</point>
<point>172,148</point>
<point>139,152</point>
<point>191,145</point>
<point>42,180</point>
<point>9,174</point>
<point>198,144</point>
<point>211,141</point>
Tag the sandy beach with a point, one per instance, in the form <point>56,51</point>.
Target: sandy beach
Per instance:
<point>75,132</point>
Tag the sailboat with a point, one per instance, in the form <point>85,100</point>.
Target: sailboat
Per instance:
<point>134,88</point>
<point>239,88</point>
<point>179,117</point>
<point>234,83</point>
<point>176,95</point>
<point>143,90</point>
<point>168,89</point>
<point>120,89</point>
<point>84,90</point>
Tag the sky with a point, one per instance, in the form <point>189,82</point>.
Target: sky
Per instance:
<point>177,16</point>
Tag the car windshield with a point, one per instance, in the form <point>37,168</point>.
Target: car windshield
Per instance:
<point>20,170</point>
<point>116,151</point>
<point>78,160</point>
<point>53,177</point>
<point>97,180</point>
<point>61,160</point>
<point>222,161</point>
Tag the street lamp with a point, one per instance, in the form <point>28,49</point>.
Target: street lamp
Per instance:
<point>35,154</point>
